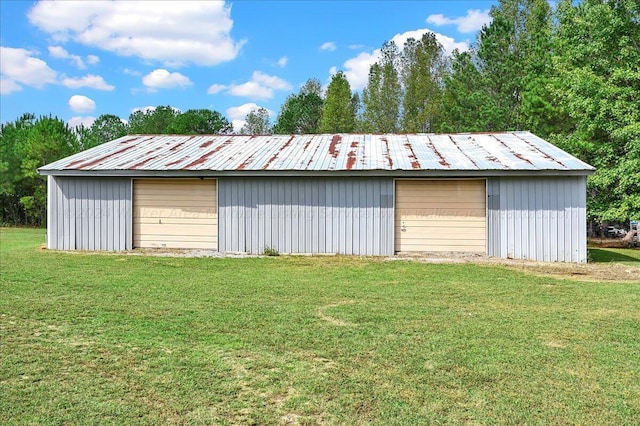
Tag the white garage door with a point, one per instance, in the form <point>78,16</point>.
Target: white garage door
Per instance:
<point>440,215</point>
<point>175,213</point>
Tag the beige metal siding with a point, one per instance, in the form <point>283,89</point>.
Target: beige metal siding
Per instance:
<point>440,215</point>
<point>175,213</point>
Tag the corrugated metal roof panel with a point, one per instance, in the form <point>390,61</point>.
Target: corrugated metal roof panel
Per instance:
<point>508,151</point>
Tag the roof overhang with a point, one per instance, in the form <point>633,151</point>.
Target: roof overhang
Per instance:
<point>307,173</point>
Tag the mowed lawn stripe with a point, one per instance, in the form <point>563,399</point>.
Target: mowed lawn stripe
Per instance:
<point>112,339</point>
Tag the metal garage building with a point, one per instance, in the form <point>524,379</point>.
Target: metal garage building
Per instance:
<point>510,195</point>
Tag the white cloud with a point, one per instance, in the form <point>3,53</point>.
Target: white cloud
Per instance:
<point>92,59</point>
<point>282,62</point>
<point>238,114</point>
<point>196,32</point>
<point>252,90</point>
<point>8,86</point>
<point>78,121</point>
<point>20,67</point>
<point>144,109</point>
<point>89,80</point>
<point>129,71</point>
<point>163,79</point>
<point>60,52</point>
<point>356,69</point>
<point>448,43</point>
<point>329,46</point>
<point>80,103</point>
<point>261,86</point>
<point>471,22</point>
<point>216,88</point>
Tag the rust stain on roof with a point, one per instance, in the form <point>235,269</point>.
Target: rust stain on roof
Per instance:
<point>387,154</point>
<point>143,162</point>
<point>335,140</point>
<point>443,161</point>
<point>245,163</point>
<point>463,152</point>
<point>547,156</point>
<point>173,163</point>
<point>200,160</point>
<point>414,160</point>
<point>306,145</point>
<point>128,141</point>
<point>73,163</point>
<point>101,159</point>
<point>274,156</point>
<point>519,156</point>
<point>207,143</point>
<point>176,146</point>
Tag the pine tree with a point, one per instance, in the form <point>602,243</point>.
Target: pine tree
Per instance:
<point>301,113</point>
<point>382,97</point>
<point>338,112</point>
<point>423,70</point>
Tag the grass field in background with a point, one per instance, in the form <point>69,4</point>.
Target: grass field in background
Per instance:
<point>121,339</point>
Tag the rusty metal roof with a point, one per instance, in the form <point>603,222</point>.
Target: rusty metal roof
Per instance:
<point>505,151</point>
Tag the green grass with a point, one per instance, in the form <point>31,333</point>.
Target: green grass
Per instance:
<point>625,256</point>
<point>115,339</point>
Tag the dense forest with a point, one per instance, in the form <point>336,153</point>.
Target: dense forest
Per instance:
<point>570,75</point>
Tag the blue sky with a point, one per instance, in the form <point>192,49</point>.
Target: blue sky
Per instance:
<point>80,59</point>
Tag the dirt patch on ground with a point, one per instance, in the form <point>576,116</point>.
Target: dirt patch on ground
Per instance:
<point>597,272</point>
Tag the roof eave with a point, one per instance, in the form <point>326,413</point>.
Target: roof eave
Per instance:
<point>310,173</point>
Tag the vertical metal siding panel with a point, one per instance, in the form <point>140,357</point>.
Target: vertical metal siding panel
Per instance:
<point>328,218</point>
<point>581,189</point>
<point>241,213</point>
<point>575,221</point>
<point>554,220</point>
<point>531,219</point>
<point>65,217</point>
<point>505,216</point>
<point>51,211</point>
<point>57,214</point>
<point>318,219</point>
<point>288,212</point>
<point>519,213</point>
<point>341,218</point>
<point>320,215</point>
<point>113,227</point>
<point>350,219</point>
<point>91,212</point>
<point>551,186</point>
<point>366,210</point>
<point>539,254</point>
<point>256,233</point>
<point>73,209</point>
<point>512,220</point>
<point>82,241</point>
<point>281,218</point>
<point>99,189</point>
<point>374,230</point>
<point>551,214</point>
<point>563,229</point>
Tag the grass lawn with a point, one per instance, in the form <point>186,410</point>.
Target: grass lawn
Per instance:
<point>118,339</point>
<point>625,256</point>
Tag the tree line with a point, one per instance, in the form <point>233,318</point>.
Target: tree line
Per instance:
<point>570,75</point>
